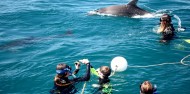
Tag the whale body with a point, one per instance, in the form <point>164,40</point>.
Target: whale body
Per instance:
<point>131,9</point>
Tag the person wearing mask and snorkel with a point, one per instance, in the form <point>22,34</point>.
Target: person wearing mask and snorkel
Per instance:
<point>103,73</point>
<point>64,85</point>
<point>147,88</point>
<point>166,28</point>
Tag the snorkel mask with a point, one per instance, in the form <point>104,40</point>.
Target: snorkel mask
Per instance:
<point>166,18</point>
<point>64,71</point>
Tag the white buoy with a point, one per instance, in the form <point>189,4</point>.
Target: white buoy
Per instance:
<point>119,64</point>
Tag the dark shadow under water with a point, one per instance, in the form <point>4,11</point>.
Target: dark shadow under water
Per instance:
<point>30,40</point>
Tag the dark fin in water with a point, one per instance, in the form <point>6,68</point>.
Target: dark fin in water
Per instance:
<point>133,2</point>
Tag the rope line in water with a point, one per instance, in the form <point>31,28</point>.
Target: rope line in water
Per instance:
<point>154,65</point>
<point>83,87</point>
<point>181,61</point>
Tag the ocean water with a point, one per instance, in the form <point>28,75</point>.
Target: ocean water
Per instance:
<point>36,35</point>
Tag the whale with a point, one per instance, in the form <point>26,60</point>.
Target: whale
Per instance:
<point>31,40</point>
<point>130,9</point>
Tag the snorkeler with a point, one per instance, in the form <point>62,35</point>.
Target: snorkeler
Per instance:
<point>64,85</point>
<point>147,88</point>
<point>103,86</point>
<point>166,28</point>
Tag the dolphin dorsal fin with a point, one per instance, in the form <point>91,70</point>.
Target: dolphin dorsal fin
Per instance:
<point>133,2</point>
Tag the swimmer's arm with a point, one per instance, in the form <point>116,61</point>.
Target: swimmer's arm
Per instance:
<point>86,77</point>
<point>76,71</point>
<point>160,30</point>
<point>77,66</point>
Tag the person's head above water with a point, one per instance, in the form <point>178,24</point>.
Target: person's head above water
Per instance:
<point>63,70</point>
<point>146,88</point>
<point>165,17</point>
<point>105,71</point>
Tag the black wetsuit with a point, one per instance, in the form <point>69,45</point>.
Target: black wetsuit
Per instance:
<point>102,82</point>
<point>168,33</point>
<point>70,88</point>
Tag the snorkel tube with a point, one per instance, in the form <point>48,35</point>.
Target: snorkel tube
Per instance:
<point>179,24</point>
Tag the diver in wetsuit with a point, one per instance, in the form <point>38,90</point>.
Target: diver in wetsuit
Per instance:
<point>64,85</point>
<point>104,86</point>
<point>166,28</point>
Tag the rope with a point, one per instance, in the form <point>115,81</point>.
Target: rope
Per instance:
<point>181,62</point>
<point>154,65</point>
<point>83,87</point>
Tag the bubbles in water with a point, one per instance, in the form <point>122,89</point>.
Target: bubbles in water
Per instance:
<point>144,16</point>
<point>97,13</point>
<point>180,46</point>
<point>92,12</point>
<point>155,29</point>
<point>180,29</point>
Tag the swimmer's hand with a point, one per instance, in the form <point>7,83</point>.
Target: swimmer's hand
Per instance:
<point>84,61</point>
<point>77,65</point>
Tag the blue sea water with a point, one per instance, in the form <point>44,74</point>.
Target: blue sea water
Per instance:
<point>36,35</point>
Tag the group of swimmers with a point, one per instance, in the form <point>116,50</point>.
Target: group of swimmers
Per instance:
<point>64,85</point>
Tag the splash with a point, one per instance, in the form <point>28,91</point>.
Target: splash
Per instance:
<point>97,13</point>
<point>144,16</point>
<point>155,14</point>
<point>136,16</point>
<point>179,46</point>
<point>155,29</point>
<point>163,11</point>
